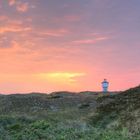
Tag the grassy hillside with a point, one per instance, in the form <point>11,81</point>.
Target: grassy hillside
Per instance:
<point>71,116</point>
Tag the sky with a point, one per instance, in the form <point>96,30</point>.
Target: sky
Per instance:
<point>59,45</point>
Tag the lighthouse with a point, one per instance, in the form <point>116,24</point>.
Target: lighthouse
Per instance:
<point>105,85</point>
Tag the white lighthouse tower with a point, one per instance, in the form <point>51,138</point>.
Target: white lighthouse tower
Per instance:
<point>105,85</point>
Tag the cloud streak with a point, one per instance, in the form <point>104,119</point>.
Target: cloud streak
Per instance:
<point>53,33</point>
<point>89,41</point>
<point>13,29</point>
<point>13,26</point>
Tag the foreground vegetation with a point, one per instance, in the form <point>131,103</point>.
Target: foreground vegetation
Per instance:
<point>67,116</point>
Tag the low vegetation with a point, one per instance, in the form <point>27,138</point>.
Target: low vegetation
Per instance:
<point>71,116</point>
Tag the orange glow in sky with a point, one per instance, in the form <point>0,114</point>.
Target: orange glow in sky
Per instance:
<point>61,77</point>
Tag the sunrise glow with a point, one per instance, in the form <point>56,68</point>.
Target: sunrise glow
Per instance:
<point>61,77</point>
<point>51,45</point>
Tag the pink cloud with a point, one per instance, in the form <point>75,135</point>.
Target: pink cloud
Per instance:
<point>3,18</point>
<point>22,7</point>
<point>12,2</point>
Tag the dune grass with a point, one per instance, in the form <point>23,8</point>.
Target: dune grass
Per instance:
<point>115,117</point>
